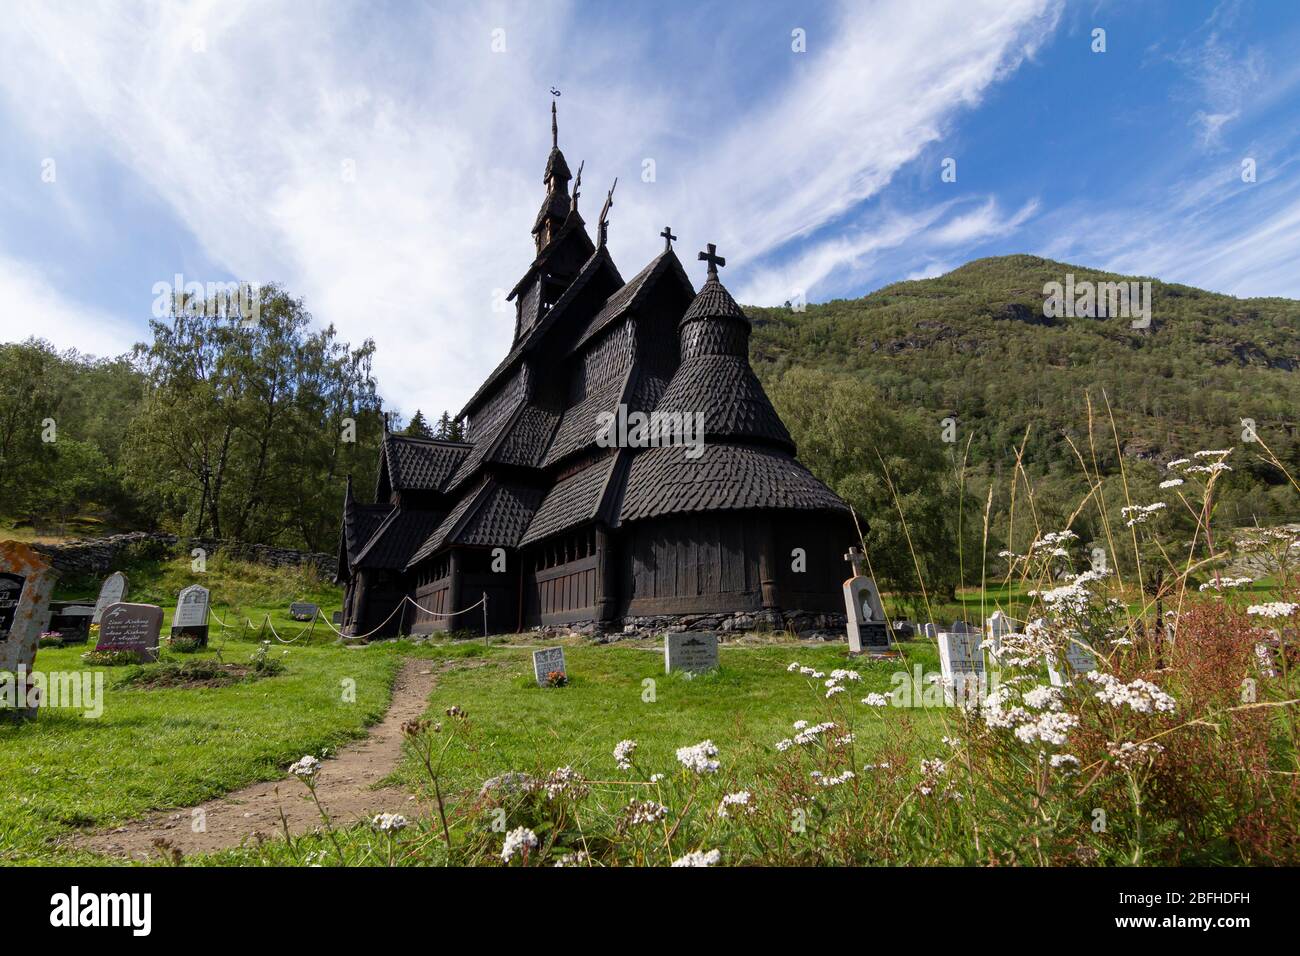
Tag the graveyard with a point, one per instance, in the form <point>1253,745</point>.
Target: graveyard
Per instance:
<point>536,727</point>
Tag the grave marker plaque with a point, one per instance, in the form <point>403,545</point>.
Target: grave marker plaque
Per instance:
<point>303,611</point>
<point>112,591</point>
<point>131,627</point>
<point>693,651</point>
<point>864,613</point>
<point>71,620</point>
<point>190,619</point>
<point>547,661</point>
<point>962,663</point>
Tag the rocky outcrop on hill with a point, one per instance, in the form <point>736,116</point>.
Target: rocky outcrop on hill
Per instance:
<point>99,556</point>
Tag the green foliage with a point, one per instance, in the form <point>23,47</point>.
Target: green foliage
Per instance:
<point>974,345</point>
<point>887,465</point>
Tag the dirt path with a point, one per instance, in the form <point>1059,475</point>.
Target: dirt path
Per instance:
<point>344,786</point>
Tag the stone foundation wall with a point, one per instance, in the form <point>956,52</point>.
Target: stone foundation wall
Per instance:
<point>827,626</point>
<point>99,556</point>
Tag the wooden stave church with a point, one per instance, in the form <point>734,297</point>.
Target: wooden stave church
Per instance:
<point>597,538</point>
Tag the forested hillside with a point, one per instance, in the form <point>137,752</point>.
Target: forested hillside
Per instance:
<point>913,399</point>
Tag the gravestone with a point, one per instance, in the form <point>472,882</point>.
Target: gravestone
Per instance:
<point>112,591</point>
<point>931,632</point>
<point>863,612</point>
<point>71,620</point>
<point>336,618</point>
<point>546,661</point>
<point>998,625</point>
<point>1078,656</point>
<point>26,581</point>
<point>962,663</point>
<point>904,630</point>
<point>131,627</point>
<point>303,611</point>
<point>190,619</point>
<point>694,651</point>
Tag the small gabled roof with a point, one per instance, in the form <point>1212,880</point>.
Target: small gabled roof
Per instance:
<point>415,463</point>
<point>494,514</point>
<point>360,522</point>
<point>397,538</point>
<point>631,295</point>
<point>574,500</point>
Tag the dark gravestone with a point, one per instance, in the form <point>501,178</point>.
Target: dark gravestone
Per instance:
<point>546,662</point>
<point>71,620</point>
<point>302,611</point>
<point>336,618</point>
<point>131,627</point>
<point>190,619</point>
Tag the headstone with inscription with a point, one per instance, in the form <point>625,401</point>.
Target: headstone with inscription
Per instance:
<point>547,662</point>
<point>693,651</point>
<point>190,619</point>
<point>962,662</point>
<point>336,618</point>
<point>131,627</point>
<point>303,611</point>
<point>863,611</point>
<point>113,591</point>
<point>26,580</point>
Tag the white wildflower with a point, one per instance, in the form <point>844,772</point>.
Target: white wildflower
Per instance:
<point>699,758</point>
<point>699,858</point>
<point>518,842</point>
<point>623,751</point>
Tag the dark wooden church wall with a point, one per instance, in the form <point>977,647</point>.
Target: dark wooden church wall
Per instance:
<point>691,564</point>
<point>501,588</point>
<point>432,597</point>
<point>561,583</point>
<point>384,591</point>
<point>825,540</point>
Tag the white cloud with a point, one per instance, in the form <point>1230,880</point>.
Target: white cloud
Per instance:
<point>240,116</point>
<point>33,307</point>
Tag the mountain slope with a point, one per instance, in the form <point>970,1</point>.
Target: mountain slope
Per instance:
<point>976,345</point>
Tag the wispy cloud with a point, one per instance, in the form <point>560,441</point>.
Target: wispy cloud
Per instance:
<point>388,171</point>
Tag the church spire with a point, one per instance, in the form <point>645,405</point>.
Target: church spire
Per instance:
<point>556,205</point>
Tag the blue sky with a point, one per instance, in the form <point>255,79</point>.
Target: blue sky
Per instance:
<point>211,140</point>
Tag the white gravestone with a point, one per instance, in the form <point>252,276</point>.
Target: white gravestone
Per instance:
<point>113,591</point>
<point>863,611</point>
<point>962,664</point>
<point>998,626</point>
<point>190,619</point>
<point>695,652</point>
<point>1078,656</point>
<point>26,581</point>
<point>547,661</point>
<point>931,632</point>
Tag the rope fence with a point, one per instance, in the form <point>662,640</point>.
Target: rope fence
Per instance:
<point>401,605</point>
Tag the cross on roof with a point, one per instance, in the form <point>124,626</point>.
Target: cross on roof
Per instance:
<point>713,259</point>
<point>668,237</point>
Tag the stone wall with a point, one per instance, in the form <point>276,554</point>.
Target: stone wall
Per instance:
<point>98,556</point>
<point>827,626</point>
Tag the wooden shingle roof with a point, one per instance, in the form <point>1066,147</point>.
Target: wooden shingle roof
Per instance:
<point>571,501</point>
<point>400,535</point>
<point>725,477</point>
<point>493,514</point>
<point>421,464</point>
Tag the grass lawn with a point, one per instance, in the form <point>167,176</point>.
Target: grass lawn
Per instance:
<point>165,748</point>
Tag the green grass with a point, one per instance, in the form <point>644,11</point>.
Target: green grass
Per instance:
<point>159,749</point>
